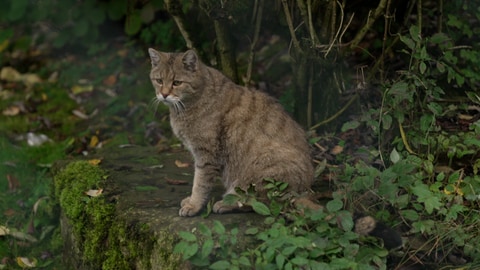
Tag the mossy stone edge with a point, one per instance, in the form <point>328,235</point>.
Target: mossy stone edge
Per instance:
<point>95,236</point>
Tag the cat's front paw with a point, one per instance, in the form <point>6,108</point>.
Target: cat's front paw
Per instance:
<point>188,209</point>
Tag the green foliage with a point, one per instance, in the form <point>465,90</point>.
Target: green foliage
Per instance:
<point>80,25</point>
<point>292,240</point>
<point>421,180</point>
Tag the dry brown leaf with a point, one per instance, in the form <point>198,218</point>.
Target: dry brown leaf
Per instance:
<point>80,114</point>
<point>95,161</point>
<point>37,203</point>
<point>337,149</point>
<point>78,89</point>
<point>25,262</point>
<point>13,183</point>
<point>4,230</point>
<point>110,80</point>
<point>94,141</point>
<point>11,111</point>
<point>180,164</point>
<point>30,79</point>
<point>10,74</point>
<point>94,192</point>
<point>177,182</point>
<point>9,212</point>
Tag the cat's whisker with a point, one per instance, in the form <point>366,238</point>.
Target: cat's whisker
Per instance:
<point>154,104</point>
<point>179,108</point>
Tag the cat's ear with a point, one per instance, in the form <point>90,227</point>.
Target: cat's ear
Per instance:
<point>190,60</point>
<point>154,57</point>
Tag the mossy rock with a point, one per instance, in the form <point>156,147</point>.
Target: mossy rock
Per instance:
<point>133,223</point>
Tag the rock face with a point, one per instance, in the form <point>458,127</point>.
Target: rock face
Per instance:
<point>133,223</point>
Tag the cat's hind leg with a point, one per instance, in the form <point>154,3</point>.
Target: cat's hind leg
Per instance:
<point>222,208</point>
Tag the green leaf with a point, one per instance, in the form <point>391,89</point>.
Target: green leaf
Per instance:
<point>439,38</point>
<point>280,260</point>
<point>218,227</point>
<point>244,261</point>
<point>299,261</point>
<point>429,199</point>
<point>207,248</point>
<point>219,265</point>
<point>133,23</point>
<point>187,236</point>
<point>190,251</point>
<point>260,208</point>
<point>17,9</point>
<point>394,156</point>
<point>387,121</point>
<point>408,41</point>
<point>350,125</point>
<point>289,250</point>
<point>204,230</point>
<point>346,220</point>
<point>117,9</point>
<point>230,199</point>
<point>415,33</point>
<point>334,205</point>
<point>410,214</point>
<point>422,67</point>
<point>251,231</point>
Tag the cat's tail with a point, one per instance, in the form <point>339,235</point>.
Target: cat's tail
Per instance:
<point>364,224</point>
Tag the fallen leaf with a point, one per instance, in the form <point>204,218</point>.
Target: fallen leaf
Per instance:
<point>110,80</point>
<point>30,79</point>
<point>80,114</point>
<point>10,74</point>
<point>22,236</point>
<point>78,89</point>
<point>37,203</point>
<point>176,182</point>
<point>4,230</point>
<point>26,262</point>
<point>160,166</point>
<point>36,139</point>
<point>180,164</point>
<point>9,212</point>
<point>95,162</point>
<point>13,183</point>
<point>94,141</point>
<point>94,192</point>
<point>337,149</point>
<point>11,111</point>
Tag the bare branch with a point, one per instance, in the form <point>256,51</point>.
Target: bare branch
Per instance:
<point>372,17</point>
<point>286,10</point>
<point>175,9</point>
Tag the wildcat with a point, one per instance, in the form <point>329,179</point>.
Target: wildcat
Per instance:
<point>239,134</point>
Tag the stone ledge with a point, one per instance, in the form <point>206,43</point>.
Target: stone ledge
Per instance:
<point>133,224</point>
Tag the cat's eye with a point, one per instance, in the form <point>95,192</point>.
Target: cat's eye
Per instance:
<point>177,83</point>
<point>159,81</point>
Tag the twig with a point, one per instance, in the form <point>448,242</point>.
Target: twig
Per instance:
<point>310,96</point>
<point>338,30</point>
<point>258,23</point>
<point>174,8</point>
<point>404,139</point>
<point>385,32</point>
<point>337,114</point>
<point>286,10</point>
<point>371,19</point>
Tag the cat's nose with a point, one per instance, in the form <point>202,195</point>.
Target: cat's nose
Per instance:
<point>164,95</point>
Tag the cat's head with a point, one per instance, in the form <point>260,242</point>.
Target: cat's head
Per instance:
<point>175,76</point>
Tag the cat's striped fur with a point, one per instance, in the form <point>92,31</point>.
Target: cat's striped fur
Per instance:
<point>239,134</point>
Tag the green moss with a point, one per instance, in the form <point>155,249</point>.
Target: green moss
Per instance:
<point>105,240</point>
